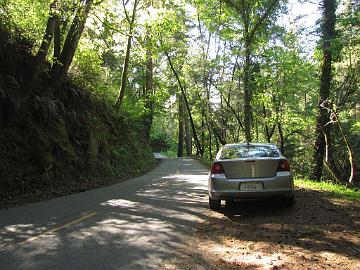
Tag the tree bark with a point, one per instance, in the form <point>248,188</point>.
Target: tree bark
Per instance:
<point>268,133</point>
<point>42,52</point>
<point>328,35</point>
<point>57,41</point>
<point>188,138</point>
<point>124,73</point>
<point>329,160</point>
<point>180,152</point>
<point>247,91</point>
<point>60,68</point>
<point>197,142</point>
<point>149,87</point>
<point>281,137</point>
<point>350,153</point>
<point>227,102</point>
<point>210,144</point>
<point>202,136</point>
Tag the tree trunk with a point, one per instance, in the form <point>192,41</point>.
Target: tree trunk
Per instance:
<point>60,68</point>
<point>124,73</point>
<point>180,152</point>
<point>227,102</point>
<point>247,93</point>
<point>149,88</point>
<point>329,160</point>
<point>188,139</point>
<point>202,138</point>
<point>350,153</point>
<point>42,52</point>
<point>197,142</point>
<point>328,35</point>
<point>246,10</point>
<point>282,141</point>
<point>57,41</point>
<point>210,144</point>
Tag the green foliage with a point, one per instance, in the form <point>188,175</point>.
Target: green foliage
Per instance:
<point>60,139</point>
<point>206,162</point>
<point>163,134</point>
<point>28,16</point>
<point>169,153</point>
<point>206,42</point>
<point>335,190</point>
<point>88,67</point>
<point>355,128</point>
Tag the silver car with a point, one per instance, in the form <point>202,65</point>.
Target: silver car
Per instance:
<point>249,171</point>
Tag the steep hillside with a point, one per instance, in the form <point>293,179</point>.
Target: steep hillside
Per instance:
<point>58,143</point>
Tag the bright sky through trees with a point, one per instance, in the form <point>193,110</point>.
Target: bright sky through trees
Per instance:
<point>302,18</point>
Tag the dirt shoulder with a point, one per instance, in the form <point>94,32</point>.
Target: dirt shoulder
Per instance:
<point>318,232</point>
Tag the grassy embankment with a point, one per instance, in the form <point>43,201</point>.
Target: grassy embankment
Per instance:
<point>334,190</point>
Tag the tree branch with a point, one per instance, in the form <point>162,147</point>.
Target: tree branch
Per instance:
<point>261,20</point>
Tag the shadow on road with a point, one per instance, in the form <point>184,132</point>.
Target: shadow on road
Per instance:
<point>139,224</point>
<point>145,223</point>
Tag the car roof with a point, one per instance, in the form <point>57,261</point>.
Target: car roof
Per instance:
<point>245,144</point>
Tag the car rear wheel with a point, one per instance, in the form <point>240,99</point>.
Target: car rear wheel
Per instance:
<point>214,204</point>
<point>289,201</point>
<point>230,203</point>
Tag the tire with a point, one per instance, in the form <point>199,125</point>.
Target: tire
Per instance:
<point>229,203</point>
<point>214,204</point>
<point>289,201</point>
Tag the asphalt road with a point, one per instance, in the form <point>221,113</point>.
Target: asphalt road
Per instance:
<point>137,224</point>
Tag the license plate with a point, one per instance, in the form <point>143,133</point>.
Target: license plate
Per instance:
<point>251,186</point>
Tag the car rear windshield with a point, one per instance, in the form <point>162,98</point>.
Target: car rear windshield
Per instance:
<point>249,151</point>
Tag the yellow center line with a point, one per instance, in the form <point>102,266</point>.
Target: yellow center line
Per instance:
<point>58,228</point>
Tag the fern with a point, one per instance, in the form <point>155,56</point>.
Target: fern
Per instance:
<point>45,109</point>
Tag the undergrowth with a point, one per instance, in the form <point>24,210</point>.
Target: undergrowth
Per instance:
<point>63,142</point>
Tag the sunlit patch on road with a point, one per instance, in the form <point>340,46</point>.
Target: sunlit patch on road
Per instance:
<point>139,224</point>
<point>119,203</point>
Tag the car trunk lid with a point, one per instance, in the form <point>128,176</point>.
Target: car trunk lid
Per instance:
<point>250,168</point>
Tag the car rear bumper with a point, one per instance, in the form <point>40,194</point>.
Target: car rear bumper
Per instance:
<point>220,187</point>
<point>250,195</point>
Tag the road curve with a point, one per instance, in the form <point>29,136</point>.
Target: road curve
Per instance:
<point>137,224</point>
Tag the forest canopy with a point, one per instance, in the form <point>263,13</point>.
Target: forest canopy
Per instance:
<point>195,75</point>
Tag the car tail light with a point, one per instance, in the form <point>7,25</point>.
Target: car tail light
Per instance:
<point>217,168</point>
<point>283,166</point>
